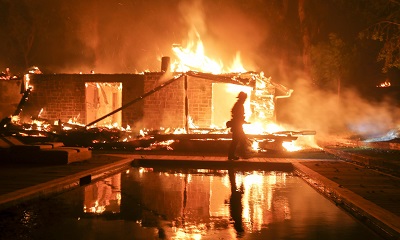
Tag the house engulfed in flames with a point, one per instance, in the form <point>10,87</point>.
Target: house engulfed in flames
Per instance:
<point>188,100</point>
<point>161,106</point>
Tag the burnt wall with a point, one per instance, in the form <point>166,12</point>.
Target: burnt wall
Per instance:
<point>10,96</point>
<point>166,107</point>
<point>62,96</point>
<point>200,101</point>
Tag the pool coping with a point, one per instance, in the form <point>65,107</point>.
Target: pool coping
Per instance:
<point>63,183</point>
<point>384,222</point>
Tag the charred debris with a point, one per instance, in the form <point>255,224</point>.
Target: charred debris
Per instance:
<point>40,130</point>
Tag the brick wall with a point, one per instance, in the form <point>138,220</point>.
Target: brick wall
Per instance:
<point>62,96</point>
<point>166,107</point>
<point>200,98</point>
<point>10,96</point>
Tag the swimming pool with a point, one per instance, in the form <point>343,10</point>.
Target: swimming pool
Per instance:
<point>150,203</point>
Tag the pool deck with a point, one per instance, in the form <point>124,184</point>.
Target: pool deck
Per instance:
<point>371,196</point>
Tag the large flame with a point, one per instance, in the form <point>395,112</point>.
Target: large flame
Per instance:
<point>192,57</point>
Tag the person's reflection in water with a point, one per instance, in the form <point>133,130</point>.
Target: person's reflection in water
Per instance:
<point>235,204</point>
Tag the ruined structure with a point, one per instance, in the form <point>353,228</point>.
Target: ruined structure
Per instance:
<point>187,100</point>
<point>105,110</point>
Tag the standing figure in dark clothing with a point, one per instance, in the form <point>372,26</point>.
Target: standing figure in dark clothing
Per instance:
<point>236,124</point>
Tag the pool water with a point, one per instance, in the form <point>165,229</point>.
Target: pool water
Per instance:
<point>146,203</point>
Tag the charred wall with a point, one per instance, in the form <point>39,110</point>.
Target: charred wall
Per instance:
<point>10,95</point>
<point>166,107</point>
<point>62,96</point>
<point>200,101</point>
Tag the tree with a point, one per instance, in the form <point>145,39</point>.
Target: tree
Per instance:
<point>385,27</point>
<point>21,30</point>
<point>306,38</point>
<point>329,63</point>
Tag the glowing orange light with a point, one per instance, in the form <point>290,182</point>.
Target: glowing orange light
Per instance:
<point>192,57</point>
<point>385,84</point>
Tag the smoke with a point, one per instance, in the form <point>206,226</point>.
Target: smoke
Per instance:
<point>132,36</point>
<point>119,36</point>
<point>347,114</point>
<point>225,28</point>
<point>127,36</point>
<point>193,14</point>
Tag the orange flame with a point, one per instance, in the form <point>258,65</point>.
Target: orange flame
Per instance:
<point>384,84</point>
<point>193,58</point>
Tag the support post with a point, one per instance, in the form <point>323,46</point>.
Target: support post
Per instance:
<point>186,106</point>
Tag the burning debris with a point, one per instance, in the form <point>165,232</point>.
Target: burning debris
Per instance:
<point>384,84</point>
<point>7,75</point>
<point>112,137</point>
<point>191,63</point>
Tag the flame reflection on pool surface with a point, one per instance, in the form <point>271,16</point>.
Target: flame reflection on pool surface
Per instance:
<point>192,204</point>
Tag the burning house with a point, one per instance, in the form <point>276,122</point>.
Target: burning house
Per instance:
<point>100,109</point>
<point>188,100</point>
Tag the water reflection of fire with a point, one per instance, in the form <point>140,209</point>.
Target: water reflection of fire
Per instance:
<point>197,207</point>
<point>104,195</point>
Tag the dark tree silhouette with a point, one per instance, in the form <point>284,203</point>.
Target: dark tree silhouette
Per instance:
<point>384,26</point>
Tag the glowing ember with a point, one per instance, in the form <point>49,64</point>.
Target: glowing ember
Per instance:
<point>179,131</point>
<point>384,84</point>
<point>27,81</point>
<point>74,120</point>
<point>15,119</point>
<point>255,146</point>
<point>291,147</point>
<point>40,113</point>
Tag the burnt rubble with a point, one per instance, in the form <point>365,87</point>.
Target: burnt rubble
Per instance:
<point>110,138</point>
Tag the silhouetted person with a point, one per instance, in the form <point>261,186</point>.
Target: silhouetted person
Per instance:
<point>236,125</point>
<point>235,204</point>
